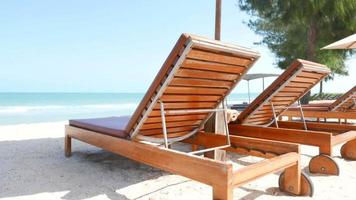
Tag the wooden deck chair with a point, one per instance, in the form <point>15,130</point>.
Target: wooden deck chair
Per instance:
<point>342,108</point>
<point>260,118</point>
<point>198,74</point>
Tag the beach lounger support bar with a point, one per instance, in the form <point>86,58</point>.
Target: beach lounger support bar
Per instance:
<point>224,110</point>
<point>209,149</point>
<point>274,114</point>
<point>302,115</point>
<point>168,141</point>
<point>164,124</point>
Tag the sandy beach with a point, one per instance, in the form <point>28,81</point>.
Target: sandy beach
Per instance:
<point>33,166</point>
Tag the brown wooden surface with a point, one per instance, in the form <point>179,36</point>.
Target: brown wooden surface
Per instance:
<point>324,164</point>
<point>328,127</point>
<point>247,174</point>
<point>342,108</point>
<point>202,77</point>
<point>341,105</point>
<point>201,169</point>
<point>245,145</point>
<point>217,174</point>
<point>319,114</point>
<point>314,138</point>
<point>348,150</point>
<point>290,86</point>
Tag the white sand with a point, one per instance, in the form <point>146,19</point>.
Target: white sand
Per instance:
<point>32,166</point>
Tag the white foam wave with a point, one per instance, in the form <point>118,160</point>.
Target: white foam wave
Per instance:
<point>45,108</point>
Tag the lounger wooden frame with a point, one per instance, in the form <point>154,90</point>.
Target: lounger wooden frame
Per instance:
<point>324,136</point>
<point>218,67</point>
<point>343,109</point>
<point>221,176</point>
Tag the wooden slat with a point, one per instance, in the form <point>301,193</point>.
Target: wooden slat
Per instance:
<point>265,119</point>
<point>186,105</point>
<point>298,84</point>
<point>170,130</point>
<point>193,73</point>
<point>211,66</point>
<point>314,138</point>
<point>170,135</point>
<point>259,117</point>
<point>284,94</point>
<point>262,114</point>
<point>156,113</point>
<point>290,98</point>
<point>293,89</point>
<point>200,83</point>
<point>174,118</point>
<point>212,140</point>
<point>311,75</point>
<point>170,124</point>
<point>185,98</point>
<point>305,80</point>
<point>194,90</point>
<point>220,58</point>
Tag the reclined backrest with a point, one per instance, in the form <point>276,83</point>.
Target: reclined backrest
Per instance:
<point>198,74</point>
<point>289,87</point>
<point>346,102</point>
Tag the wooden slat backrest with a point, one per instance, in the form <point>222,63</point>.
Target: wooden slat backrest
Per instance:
<point>198,74</point>
<point>346,102</point>
<point>289,87</point>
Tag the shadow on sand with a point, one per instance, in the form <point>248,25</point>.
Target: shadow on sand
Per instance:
<point>35,166</point>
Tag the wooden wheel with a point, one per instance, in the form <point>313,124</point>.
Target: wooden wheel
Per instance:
<point>307,187</point>
<point>348,150</point>
<point>324,164</point>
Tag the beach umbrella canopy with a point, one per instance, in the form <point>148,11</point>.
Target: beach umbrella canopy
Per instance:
<point>248,77</point>
<point>346,43</point>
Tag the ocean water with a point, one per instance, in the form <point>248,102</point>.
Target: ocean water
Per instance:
<point>21,108</point>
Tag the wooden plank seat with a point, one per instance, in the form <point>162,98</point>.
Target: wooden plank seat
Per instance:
<point>260,118</point>
<point>343,108</point>
<point>196,77</point>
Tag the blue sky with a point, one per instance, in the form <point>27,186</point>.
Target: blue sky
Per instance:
<point>113,46</point>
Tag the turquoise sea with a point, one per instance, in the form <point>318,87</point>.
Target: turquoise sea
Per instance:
<point>20,108</point>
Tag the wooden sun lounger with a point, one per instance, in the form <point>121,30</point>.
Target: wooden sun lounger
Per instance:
<point>196,77</point>
<point>260,118</point>
<point>344,108</point>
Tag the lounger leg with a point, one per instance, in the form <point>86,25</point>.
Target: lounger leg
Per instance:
<point>223,192</point>
<point>223,187</point>
<point>297,184</point>
<point>67,146</point>
<point>326,149</point>
<point>292,179</point>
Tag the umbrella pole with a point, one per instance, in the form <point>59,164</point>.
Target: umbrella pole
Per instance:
<point>219,116</point>
<point>217,19</point>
